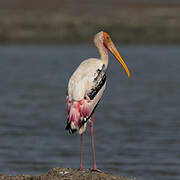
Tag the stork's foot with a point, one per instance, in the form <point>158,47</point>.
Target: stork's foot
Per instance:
<point>81,169</point>
<point>96,170</point>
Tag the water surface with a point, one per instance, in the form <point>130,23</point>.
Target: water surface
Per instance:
<point>137,127</point>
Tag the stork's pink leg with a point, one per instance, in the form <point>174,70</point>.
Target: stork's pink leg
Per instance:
<point>81,152</point>
<point>92,143</point>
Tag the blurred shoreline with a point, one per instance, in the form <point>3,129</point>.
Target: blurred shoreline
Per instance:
<point>62,22</point>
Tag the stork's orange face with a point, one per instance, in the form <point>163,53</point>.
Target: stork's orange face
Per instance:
<point>111,47</point>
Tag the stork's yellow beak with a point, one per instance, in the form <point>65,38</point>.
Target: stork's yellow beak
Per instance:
<point>116,54</point>
<point>111,47</point>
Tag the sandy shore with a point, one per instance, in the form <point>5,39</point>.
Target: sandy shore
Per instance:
<point>67,174</point>
<point>67,22</point>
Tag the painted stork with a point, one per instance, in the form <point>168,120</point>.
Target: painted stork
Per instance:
<point>85,89</point>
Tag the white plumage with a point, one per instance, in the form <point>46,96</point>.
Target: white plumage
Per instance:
<point>82,80</point>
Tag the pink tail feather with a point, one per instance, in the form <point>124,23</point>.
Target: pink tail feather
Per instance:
<point>77,111</point>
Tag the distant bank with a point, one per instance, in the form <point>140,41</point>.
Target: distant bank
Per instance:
<point>133,23</point>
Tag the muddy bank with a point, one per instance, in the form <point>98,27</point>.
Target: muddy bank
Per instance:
<point>71,22</point>
<point>67,174</point>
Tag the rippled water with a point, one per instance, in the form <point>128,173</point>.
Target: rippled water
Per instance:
<point>137,124</point>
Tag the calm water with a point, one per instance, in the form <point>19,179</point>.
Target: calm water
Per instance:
<point>137,125</point>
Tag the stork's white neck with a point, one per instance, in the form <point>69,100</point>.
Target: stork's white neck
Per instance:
<point>98,41</point>
<point>103,53</point>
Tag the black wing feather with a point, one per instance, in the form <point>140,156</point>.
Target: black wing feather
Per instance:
<point>99,80</point>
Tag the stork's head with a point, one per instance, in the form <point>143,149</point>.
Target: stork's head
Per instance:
<point>103,38</point>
